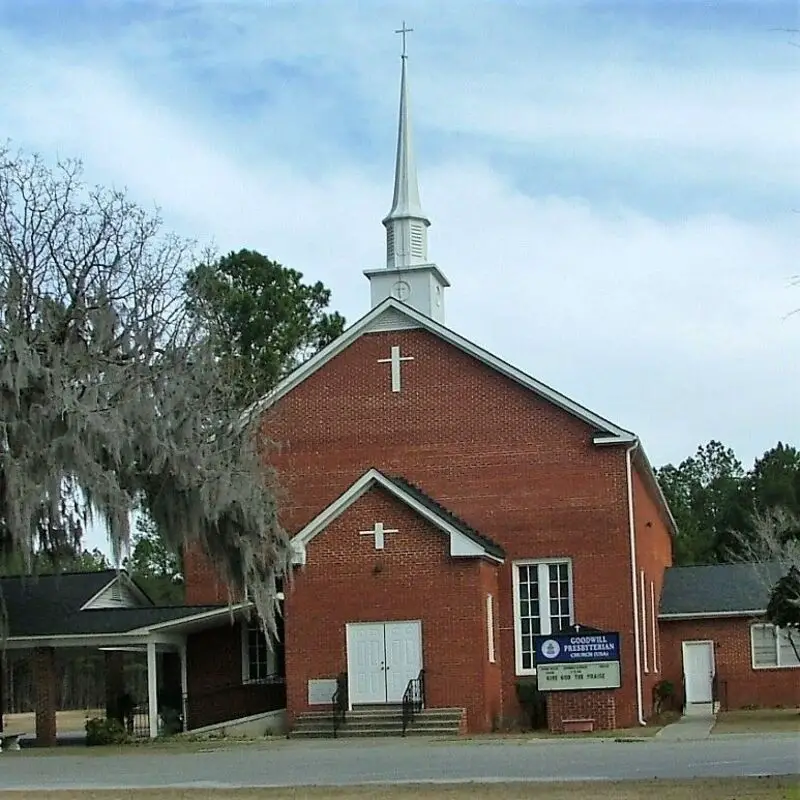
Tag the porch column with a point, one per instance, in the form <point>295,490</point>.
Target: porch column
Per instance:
<point>152,689</point>
<point>115,682</point>
<point>44,672</point>
<point>2,688</point>
<point>184,688</point>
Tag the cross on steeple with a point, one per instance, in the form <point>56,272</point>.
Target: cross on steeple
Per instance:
<point>403,31</point>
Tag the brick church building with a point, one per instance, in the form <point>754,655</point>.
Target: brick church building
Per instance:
<point>446,507</point>
<point>449,516</point>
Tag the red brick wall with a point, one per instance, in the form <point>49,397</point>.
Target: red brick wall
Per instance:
<point>413,578</point>
<point>492,672</point>
<point>600,707</point>
<point>44,672</point>
<point>745,686</point>
<point>653,555</point>
<point>515,467</point>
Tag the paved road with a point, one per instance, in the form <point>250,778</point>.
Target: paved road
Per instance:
<point>294,763</point>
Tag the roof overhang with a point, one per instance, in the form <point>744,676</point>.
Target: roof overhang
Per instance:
<point>123,578</point>
<point>755,612</point>
<point>109,641</point>
<point>418,320</point>
<point>460,544</point>
<point>200,621</point>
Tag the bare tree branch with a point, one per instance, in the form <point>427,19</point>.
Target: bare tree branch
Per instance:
<point>109,389</point>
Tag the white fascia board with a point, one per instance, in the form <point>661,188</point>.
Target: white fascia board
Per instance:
<point>755,612</point>
<point>460,545</point>
<point>354,331</point>
<point>192,618</point>
<point>93,599</point>
<point>76,640</point>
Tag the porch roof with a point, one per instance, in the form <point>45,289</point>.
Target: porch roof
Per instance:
<point>718,590</point>
<point>100,621</point>
<point>53,606</point>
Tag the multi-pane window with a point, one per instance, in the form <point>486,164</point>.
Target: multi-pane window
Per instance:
<point>774,647</point>
<point>543,605</point>
<point>259,659</point>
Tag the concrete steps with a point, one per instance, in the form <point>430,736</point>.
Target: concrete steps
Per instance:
<point>379,721</point>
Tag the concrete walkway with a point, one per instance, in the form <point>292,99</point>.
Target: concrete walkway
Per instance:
<point>689,728</point>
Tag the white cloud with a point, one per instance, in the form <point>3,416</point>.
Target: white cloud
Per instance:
<point>672,327</point>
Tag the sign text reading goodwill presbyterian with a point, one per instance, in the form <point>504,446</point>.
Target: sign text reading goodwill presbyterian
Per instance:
<point>577,648</point>
<point>577,661</point>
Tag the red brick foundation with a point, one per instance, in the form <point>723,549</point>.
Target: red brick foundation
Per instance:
<point>44,670</point>
<point>567,711</point>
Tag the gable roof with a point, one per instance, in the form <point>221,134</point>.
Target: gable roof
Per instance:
<point>714,590</point>
<point>464,540</point>
<point>56,594</point>
<point>392,314</point>
<point>99,621</point>
<point>59,605</point>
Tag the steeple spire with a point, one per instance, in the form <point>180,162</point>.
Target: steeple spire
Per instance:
<point>408,275</point>
<point>406,225</point>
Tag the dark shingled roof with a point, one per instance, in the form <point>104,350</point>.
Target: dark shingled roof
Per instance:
<point>448,516</point>
<point>718,588</point>
<point>49,605</point>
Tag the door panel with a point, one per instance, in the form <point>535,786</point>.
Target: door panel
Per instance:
<point>403,657</point>
<point>366,651</point>
<point>698,667</point>
<point>382,659</point>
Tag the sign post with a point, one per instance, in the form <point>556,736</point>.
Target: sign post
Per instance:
<point>578,661</point>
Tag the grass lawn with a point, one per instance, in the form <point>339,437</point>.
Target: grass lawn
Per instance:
<point>701,789</point>
<point>765,720</point>
<point>66,721</point>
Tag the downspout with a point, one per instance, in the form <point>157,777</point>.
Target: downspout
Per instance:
<point>632,529</point>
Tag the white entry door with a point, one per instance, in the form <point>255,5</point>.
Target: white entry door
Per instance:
<point>698,669</point>
<point>382,658</point>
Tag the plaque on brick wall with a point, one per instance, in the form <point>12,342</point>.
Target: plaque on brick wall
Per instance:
<point>320,691</point>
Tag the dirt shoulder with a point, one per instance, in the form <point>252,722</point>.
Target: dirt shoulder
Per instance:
<point>768,720</point>
<point>772,788</point>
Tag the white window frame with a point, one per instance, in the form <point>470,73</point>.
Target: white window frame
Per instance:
<point>490,627</point>
<point>271,655</point>
<point>544,602</point>
<point>778,632</point>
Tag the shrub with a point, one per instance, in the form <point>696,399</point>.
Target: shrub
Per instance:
<point>663,693</point>
<point>100,731</point>
<point>533,702</point>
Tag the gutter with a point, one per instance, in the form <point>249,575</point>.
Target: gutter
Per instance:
<point>632,531</point>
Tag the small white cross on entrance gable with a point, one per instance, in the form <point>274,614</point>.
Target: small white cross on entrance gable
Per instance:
<point>378,532</point>
<point>395,359</point>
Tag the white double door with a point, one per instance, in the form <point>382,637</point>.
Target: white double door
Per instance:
<point>382,657</point>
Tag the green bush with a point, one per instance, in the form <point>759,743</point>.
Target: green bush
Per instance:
<point>533,702</point>
<point>663,695</point>
<point>100,731</point>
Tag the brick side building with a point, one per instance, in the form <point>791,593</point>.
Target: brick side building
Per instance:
<point>716,643</point>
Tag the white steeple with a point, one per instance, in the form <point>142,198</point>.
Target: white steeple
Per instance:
<point>408,274</point>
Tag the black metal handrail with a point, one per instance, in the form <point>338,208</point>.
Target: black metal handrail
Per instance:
<point>413,699</point>
<point>340,703</point>
<point>683,693</point>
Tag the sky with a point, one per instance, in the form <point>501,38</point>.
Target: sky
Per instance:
<point>614,187</point>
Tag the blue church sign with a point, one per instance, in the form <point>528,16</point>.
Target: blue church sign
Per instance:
<point>575,648</point>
